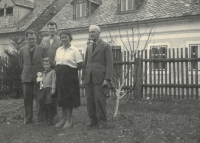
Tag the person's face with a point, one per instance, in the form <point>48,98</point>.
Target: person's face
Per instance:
<point>31,39</point>
<point>47,66</point>
<point>65,39</point>
<point>94,34</point>
<point>52,30</point>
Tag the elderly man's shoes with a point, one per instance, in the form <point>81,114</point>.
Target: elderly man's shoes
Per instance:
<point>92,124</point>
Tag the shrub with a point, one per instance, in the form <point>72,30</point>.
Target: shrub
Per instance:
<point>12,78</point>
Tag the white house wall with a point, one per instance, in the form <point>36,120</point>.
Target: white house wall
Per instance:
<point>175,34</point>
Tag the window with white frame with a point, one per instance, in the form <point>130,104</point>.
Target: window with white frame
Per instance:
<point>126,5</point>
<point>80,10</point>
<point>194,48</point>
<point>158,52</point>
<point>6,11</point>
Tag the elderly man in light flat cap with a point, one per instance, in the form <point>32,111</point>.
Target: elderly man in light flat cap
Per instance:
<point>97,75</point>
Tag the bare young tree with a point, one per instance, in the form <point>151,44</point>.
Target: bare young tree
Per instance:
<point>131,38</point>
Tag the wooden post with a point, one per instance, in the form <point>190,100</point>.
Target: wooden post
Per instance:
<point>138,78</point>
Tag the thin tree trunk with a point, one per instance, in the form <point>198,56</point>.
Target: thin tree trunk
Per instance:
<point>116,106</point>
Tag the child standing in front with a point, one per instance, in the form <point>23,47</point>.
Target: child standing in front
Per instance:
<point>48,99</point>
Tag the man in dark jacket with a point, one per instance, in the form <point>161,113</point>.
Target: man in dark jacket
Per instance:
<point>52,42</point>
<point>97,75</point>
<point>31,62</point>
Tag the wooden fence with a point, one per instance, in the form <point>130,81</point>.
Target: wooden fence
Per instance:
<point>175,75</point>
<point>3,88</point>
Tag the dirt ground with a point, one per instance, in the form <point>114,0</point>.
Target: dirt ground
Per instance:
<point>137,122</point>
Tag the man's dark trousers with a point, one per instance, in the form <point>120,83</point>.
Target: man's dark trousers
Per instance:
<point>96,102</point>
<point>30,92</point>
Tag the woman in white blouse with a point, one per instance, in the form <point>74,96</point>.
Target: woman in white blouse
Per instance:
<point>68,62</point>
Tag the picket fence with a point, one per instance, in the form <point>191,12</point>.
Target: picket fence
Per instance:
<point>145,76</point>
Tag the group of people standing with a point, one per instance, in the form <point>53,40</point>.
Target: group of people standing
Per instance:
<point>59,61</point>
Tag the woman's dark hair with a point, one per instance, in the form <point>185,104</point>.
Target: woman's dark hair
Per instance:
<point>49,60</point>
<point>52,24</point>
<point>68,33</point>
<point>31,32</point>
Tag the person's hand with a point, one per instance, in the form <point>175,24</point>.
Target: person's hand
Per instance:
<point>105,83</point>
<point>53,90</point>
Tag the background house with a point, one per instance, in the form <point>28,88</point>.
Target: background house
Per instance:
<point>176,21</point>
<point>17,16</point>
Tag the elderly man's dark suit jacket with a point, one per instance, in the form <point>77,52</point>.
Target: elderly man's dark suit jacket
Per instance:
<point>30,68</point>
<point>99,63</point>
<point>50,49</point>
<point>97,68</point>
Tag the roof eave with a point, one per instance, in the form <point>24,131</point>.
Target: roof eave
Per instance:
<point>26,6</point>
<point>149,21</point>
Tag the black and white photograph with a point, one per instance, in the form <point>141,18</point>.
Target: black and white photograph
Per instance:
<point>99,71</point>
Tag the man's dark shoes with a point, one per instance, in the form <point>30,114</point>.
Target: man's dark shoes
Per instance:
<point>27,121</point>
<point>103,126</point>
<point>91,124</point>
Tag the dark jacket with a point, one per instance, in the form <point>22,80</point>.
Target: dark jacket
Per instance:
<point>50,49</point>
<point>99,63</point>
<point>30,68</point>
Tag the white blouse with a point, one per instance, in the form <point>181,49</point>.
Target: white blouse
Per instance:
<point>70,56</point>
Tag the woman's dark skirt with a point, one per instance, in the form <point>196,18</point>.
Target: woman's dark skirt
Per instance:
<point>67,84</point>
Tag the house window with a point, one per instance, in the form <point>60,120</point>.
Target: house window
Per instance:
<point>126,5</point>
<point>158,52</point>
<point>117,54</point>
<point>1,12</point>
<point>9,11</point>
<point>80,10</point>
<point>194,54</point>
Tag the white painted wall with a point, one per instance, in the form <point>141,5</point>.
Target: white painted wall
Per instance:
<point>175,34</point>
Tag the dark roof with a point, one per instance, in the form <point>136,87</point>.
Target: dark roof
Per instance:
<point>25,3</point>
<point>97,1</point>
<point>107,13</point>
<point>40,7</point>
<point>94,1</point>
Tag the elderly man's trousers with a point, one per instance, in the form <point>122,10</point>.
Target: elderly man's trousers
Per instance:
<point>96,103</point>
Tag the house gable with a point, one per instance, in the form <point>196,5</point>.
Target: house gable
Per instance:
<point>12,11</point>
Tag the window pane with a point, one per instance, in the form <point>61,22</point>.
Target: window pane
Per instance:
<point>162,52</point>
<point>154,53</point>
<point>78,10</point>
<point>83,9</point>
<point>159,52</point>
<point>123,5</point>
<point>130,4</point>
<point>9,11</point>
<point>1,12</point>
<point>194,51</point>
<point>194,54</point>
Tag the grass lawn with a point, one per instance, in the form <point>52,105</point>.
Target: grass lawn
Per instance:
<point>137,122</point>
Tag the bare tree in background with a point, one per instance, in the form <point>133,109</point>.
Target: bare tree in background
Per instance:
<point>131,38</point>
